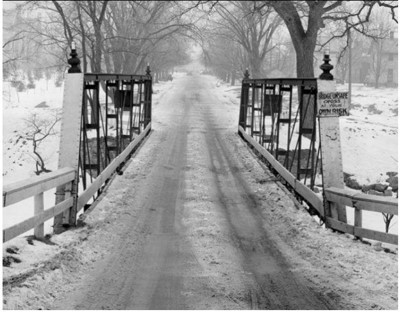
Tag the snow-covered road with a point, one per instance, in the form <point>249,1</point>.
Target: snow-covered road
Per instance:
<point>197,222</point>
<point>194,188</point>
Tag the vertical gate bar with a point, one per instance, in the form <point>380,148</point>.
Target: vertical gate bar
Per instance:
<point>314,135</point>
<point>286,163</point>
<point>107,158</point>
<point>131,110</point>
<point>260,107</point>
<point>117,124</point>
<point>262,117</point>
<point>97,114</point>
<point>252,108</point>
<point>141,107</point>
<point>148,90</point>
<point>241,108</point>
<point>245,103</point>
<point>121,119</point>
<point>278,120</point>
<point>83,137</point>
<point>273,121</point>
<point>302,112</point>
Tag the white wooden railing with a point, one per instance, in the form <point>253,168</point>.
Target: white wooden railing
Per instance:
<point>36,186</point>
<point>343,197</point>
<point>360,202</point>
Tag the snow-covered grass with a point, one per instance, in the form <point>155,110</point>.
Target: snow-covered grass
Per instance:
<point>370,134</point>
<point>370,143</point>
<point>18,160</point>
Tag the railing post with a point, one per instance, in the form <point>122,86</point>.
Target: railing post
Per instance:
<point>357,217</point>
<point>38,232</point>
<point>70,137</point>
<point>148,90</point>
<point>331,152</point>
<point>244,100</point>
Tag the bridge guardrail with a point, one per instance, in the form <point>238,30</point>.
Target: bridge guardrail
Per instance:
<point>361,202</point>
<point>105,117</point>
<point>36,186</point>
<point>277,118</point>
<point>101,179</point>
<point>305,192</point>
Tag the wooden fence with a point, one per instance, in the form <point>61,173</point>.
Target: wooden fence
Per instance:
<point>18,191</point>
<point>344,197</point>
<point>360,202</point>
<point>36,186</point>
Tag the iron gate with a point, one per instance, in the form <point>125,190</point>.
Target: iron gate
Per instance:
<point>280,114</point>
<point>115,109</point>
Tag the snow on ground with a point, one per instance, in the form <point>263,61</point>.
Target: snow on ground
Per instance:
<point>370,134</point>
<point>370,143</point>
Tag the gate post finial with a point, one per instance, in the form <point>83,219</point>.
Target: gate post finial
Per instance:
<point>148,71</point>
<point>326,68</point>
<point>74,61</point>
<point>246,74</point>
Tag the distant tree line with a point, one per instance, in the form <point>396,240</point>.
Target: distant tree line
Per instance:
<point>110,36</point>
<point>267,37</point>
<point>252,34</point>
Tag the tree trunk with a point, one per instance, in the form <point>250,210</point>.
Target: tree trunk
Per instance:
<point>233,78</point>
<point>305,59</point>
<point>304,40</point>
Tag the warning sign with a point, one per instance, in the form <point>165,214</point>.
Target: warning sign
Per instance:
<point>333,104</point>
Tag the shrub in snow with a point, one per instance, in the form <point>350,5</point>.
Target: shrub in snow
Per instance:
<point>19,85</point>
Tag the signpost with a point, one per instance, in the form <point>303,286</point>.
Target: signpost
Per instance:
<point>330,106</point>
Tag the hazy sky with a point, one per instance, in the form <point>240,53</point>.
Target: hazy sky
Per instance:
<point>6,5</point>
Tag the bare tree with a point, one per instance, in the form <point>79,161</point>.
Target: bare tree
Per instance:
<point>304,20</point>
<point>38,129</point>
<point>380,45</point>
<point>387,218</point>
<point>236,21</point>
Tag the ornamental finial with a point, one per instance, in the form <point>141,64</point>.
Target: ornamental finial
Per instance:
<point>148,71</point>
<point>326,68</point>
<point>246,74</point>
<point>74,61</point>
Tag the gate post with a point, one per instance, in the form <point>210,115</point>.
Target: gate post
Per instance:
<point>244,100</point>
<point>70,139</point>
<point>148,90</point>
<point>331,152</point>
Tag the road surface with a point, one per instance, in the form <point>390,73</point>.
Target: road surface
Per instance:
<point>191,235</point>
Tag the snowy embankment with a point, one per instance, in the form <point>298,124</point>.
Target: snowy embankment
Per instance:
<point>370,143</point>
<point>18,158</point>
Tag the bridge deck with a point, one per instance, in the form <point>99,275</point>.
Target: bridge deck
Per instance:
<point>191,228</point>
<point>196,222</point>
